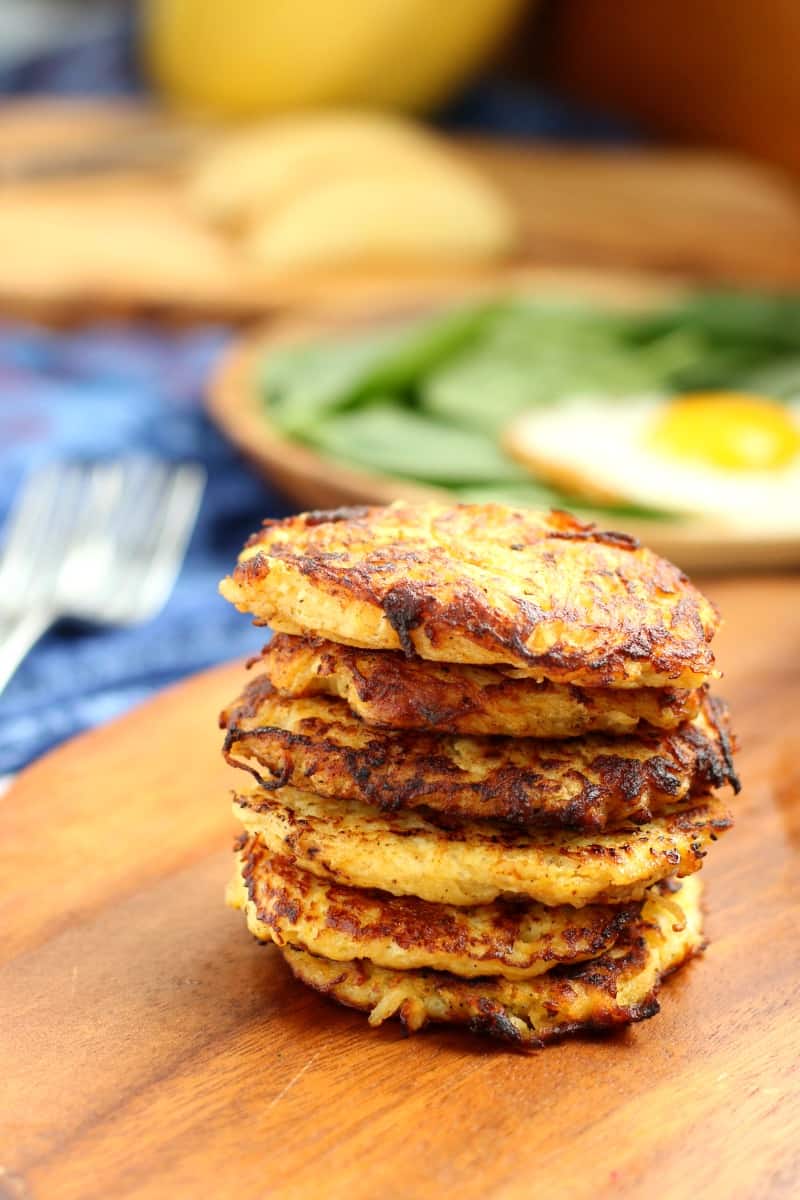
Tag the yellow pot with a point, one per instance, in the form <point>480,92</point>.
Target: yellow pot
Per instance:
<point>244,57</point>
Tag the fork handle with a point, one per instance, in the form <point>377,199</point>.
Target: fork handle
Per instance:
<point>18,637</point>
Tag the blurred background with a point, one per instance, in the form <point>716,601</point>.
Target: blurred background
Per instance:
<point>228,235</point>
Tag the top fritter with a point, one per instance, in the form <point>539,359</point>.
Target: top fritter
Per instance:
<point>545,593</point>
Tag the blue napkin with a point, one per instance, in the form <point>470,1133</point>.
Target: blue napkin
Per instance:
<point>103,391</point>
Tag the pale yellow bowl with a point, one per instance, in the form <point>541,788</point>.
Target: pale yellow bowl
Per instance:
<point>244,57</point>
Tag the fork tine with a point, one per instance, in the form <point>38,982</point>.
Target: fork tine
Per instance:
<point>40,528</point>
<point>57,532</point>
<point>29,511</point>
<point>103,542</point>
<point>83,566</point>
<point>136,508</point>
<point>151,541</point>
<point>145,481</point>
<point>40,538</point>
<point>148,485</point>
<point>183,500</point>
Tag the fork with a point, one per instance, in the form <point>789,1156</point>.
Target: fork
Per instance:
<point>101,543</point>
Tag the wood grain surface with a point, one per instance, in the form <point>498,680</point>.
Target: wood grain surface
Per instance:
<point>127,241</point>
<point>150,1048</point>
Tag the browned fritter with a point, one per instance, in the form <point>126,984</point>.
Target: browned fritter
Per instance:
<point>385,688</point>
<point>316,743</point>
<point>417,853</point>
<point>604,994</point>
<point>482,584</point>
<point>289,906</point>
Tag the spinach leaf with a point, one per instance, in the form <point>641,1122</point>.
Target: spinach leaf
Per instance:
<point>303,384</point>
<point>777,377</point>
<point>387,436</point>
<point>768,322</point>
<point>561,355</point>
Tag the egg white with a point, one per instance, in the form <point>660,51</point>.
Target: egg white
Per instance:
<point>602,447</point>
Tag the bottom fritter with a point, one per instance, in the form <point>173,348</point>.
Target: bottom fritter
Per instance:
<point>603,994</point>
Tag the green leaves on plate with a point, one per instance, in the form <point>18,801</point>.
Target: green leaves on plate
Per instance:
<point>426,399</point>
<point>564,355</point>
<point>744,341</point>
<point>769,323</point>
<point>391,438</point>
<point>304,384</point>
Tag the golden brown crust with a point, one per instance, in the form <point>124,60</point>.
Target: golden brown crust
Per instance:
<point>385,688</point>
<point>411,853</point>
<point>604,994</point>
<point>289,906</point>
<point>594,782</point>
<point>482,584</point>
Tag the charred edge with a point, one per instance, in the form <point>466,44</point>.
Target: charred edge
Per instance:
<point>277,779</point>
<point>254,659</point>
<point>604,973</point>
<point>626,916</point>
<point>379,775</point>
<point>494,1021</point>
<point>644,1010</point>
<point>404,609</point>
<point>605,1024</point>
<point>579,531</point>
<point>717,712</point>
<point>699,819</point>
<point>256,692</point>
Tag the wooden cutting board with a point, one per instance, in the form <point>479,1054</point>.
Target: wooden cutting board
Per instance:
<point>151,1049</point>
<point>127,242</point>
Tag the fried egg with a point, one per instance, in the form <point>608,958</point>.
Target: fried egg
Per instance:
<point>729,455</point>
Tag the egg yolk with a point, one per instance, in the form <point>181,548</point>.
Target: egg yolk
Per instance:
<point>731,430</point>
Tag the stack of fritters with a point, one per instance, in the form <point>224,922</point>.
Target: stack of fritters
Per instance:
<point>485,758</point>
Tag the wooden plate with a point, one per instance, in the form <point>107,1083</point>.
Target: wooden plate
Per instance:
<point>151,1049</point>
<point>310,480</point>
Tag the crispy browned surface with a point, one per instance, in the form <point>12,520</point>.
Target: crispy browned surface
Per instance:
<point>481,584</point>
<point>385,688</point>
<point>412,853</point>
<point>603,994</point>
<point>293,907</point>
<point>589,783</point>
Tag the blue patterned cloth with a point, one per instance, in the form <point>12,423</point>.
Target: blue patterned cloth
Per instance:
<point>102,391</point>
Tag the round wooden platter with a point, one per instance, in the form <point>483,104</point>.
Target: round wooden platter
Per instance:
<point>152,1049</point>
<point>236,404</point>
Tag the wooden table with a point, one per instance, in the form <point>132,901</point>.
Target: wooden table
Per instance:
<point>127,242</point>
<point>150,1048</point>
